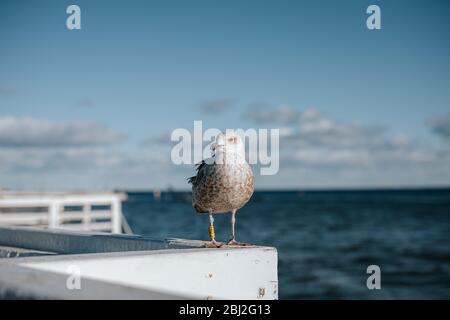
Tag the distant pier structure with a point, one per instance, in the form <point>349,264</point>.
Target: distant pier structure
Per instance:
<point>157,194</point>
<point>93,211</point>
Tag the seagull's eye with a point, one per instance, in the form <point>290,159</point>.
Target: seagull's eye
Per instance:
<point>232,140</point>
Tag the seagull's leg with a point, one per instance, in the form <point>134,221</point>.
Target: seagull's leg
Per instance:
<point>233,221</point>
<point>212,235</point>
<point>233,240</point>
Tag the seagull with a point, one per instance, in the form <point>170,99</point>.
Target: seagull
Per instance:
<point>224,183</point>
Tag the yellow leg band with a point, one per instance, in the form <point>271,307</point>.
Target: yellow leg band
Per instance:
<point>212,235</point>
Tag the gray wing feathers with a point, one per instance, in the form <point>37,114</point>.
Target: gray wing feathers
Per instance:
<point>201,168</point>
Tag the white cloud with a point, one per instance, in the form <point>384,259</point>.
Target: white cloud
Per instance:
<point>332,157</point>
<point>283,114</point>
<point>29,132</point>
<point>85,103</point>
<point>217,106</point>
<point>331,152</point>
<point>86,167</point>
<point>441,127</point>
<point>7,91</point>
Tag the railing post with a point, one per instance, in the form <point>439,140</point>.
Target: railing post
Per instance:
<point>86,216</point>
<point>54,208</point>
<point>116,215</point>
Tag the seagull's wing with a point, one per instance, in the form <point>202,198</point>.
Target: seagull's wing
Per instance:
<point>200,173</point>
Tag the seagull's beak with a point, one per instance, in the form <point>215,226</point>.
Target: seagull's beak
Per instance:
<point>214,146</point>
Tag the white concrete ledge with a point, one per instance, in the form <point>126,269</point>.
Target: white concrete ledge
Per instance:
<point>124,267</point>
<point>17,282</point>
<point>73,242</point>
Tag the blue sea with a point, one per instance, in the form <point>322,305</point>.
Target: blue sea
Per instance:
<point>327,239</point>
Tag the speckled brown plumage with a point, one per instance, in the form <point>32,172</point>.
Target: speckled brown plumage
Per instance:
<point>221,187</point>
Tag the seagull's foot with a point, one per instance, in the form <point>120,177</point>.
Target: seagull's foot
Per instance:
<point>213,244</point>
<point>233,242</point>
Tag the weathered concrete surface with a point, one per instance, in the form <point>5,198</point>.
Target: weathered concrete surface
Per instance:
<point>17,282</point>
<point>9,252</point>
<point>73,242</point>
<point>147,268</point>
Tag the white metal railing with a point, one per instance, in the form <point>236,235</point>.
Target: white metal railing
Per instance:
<point>63,210</point>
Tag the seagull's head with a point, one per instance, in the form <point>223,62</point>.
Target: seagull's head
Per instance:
<point>229,142</point>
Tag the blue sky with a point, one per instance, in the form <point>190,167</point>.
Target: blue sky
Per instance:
<point>138,69</point>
